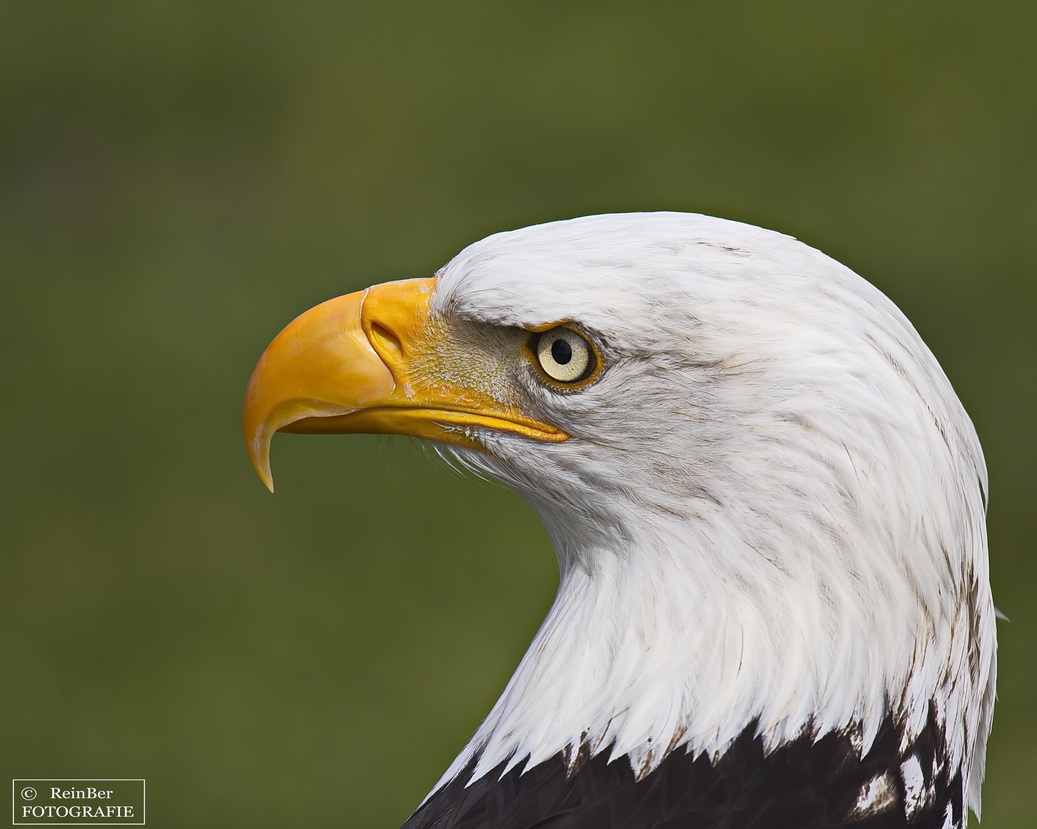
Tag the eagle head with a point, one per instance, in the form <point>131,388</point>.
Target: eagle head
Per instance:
<point>766,500</point>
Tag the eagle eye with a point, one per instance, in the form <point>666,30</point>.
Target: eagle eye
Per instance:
<point>563,355</point>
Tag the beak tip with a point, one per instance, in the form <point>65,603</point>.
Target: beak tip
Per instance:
<point>267,478</point>
<point>259,453</point>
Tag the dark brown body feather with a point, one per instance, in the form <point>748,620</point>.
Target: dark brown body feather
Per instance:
<point>802,784</point>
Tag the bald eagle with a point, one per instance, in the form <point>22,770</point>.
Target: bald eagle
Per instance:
<point>767,504</point>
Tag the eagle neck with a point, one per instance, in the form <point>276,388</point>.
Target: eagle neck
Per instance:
<point>652,642</point>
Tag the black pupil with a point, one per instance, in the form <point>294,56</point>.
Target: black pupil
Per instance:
<point>561,351</point>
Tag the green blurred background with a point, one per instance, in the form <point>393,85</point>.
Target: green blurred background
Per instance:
<point>177,180</point>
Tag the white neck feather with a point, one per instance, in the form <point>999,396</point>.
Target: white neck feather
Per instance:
<point>681,632</point>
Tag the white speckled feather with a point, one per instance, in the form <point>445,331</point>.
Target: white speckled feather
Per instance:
<point>771,507</point>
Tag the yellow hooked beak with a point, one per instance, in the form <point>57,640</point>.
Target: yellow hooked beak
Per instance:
<point>365,362</point>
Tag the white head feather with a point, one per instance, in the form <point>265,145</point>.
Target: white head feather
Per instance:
<point>771,507</point>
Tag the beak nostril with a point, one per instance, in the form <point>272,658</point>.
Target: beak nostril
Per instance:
<point>386,342</point>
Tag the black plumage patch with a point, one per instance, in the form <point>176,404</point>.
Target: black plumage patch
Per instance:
<point>802,784</point>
